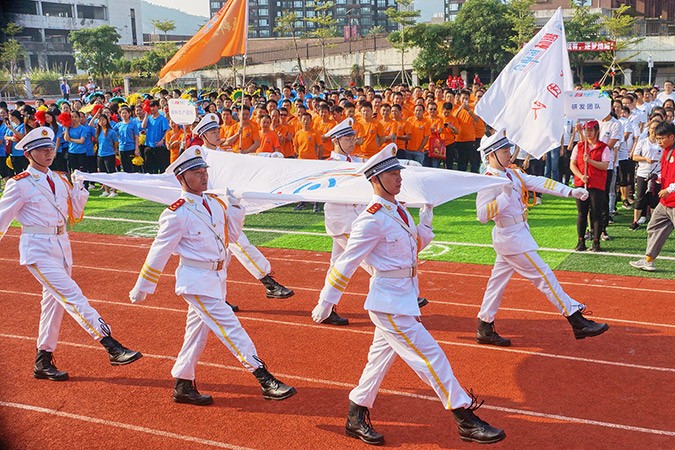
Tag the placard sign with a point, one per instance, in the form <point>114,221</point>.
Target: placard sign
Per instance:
<point>587,105</point>
<point>182,111</point>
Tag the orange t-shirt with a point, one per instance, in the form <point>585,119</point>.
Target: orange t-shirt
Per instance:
<point>420,130</point>
<point>249,135</point>
<point>307,144</point>
<point>286,133</point>
<point>400,128</point>
<point>369,131</point>
<point>269,142</point>
<point>466,129</point>
<point>479,129</point>
<point>447,134</point>
<point>322,128</point>
<point>172,140</point>
<point>226,131</point>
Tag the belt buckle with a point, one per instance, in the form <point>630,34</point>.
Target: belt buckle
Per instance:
<point>59,229</point>
<point>413,272</point>
<point>219,265</point>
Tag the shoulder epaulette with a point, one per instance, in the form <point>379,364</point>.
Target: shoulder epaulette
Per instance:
<point>20,176</point>
<point>177,204</point>
<point>488,173</point>
<point>375,207</point>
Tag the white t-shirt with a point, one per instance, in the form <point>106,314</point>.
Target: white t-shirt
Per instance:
<point>611,129</point>
<point>606,155</point>
<point>631,128</point>
<point>646,108</point>
<point>650,150</point>
<point>662,97</point>
<point>568,131</point>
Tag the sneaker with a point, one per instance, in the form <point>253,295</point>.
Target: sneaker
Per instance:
<point>581,247</point>
<point>634,226</point>
<point>588,235</point>
<point>642,220</point>
<point>104,194</point>
<point>538,201</point>
<point>643,264</point>
<point>113,194</point>
<point>625,204</point>
<point>605,237</point>
<point>596,247</point>
<point>610,221</point>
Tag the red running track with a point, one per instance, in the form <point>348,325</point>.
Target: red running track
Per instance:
<point>547,391</point>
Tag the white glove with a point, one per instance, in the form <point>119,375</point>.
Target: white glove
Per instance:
<point>426,215</point>
<point>137,296</point>
<point>78,180</point>
<point>322,311</point>
<point>231,199</point>
<point>507,189</point>
<point>580,193</point>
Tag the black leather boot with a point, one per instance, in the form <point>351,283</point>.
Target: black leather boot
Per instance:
<point>422,302</point>
<point>45,368</point>
<point>274,289</point>
<point>119,354</point>
<point>360,427</point>
<point>486,334</point>
<point>186,391</point>
<point>472,428</point>
<point>272,388</point>
<point>335,319</point>
<point>234,308</point>
<point>584,328</point>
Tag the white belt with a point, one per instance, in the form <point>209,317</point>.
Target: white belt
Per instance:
<point>208,265</point>
<point>45,230</point>
<point>409,272</point>
<point>508,221</point>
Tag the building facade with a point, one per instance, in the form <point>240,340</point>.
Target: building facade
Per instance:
<point>46,25</point>
<point>354,17</point>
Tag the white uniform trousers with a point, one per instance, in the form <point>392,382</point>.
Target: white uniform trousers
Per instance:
<point>250,257</point>
<point>211,314</point>
<point>405,336</point>
<point>530,266</point>
<point>339,245</point>
<point>60,293</point>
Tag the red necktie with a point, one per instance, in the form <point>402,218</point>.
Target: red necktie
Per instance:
<point>508,175</point>
<point>403,215</point>
<point>51,184</point>
<point>206,205</point>
<point>349,159</point>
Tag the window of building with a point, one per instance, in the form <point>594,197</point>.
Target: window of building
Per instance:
<point>453,6</point>
<point>57,9</point>
<point>29,35</point>
<point>263,12</point>
<point>56,36</point>
<point>265,33</point>
<point>91,12</point>
<point>216,6</point>
<point>263,2</point>
<point>263,22</point>
<point>23,7</point>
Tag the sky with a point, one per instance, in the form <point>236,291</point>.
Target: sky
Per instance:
<point>201,7</point>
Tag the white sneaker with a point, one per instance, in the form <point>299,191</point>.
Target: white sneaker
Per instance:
<point>112,194</point>
<point>538,202</point>
<point>642,220</point>
<point>642,264</point>
<point>104,194</point>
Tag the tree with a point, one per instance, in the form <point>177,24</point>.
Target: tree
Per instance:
<point>522,22</point>
<point>96,49</point>
<point>582,27</point>
<point>620,28</point>
<point>286,26</point>
<point>164,26</point>
<point>11,51</point>
<point>325,28</point>
<point>433,41</point>
<point>153,60</point>
<point>405,17</point>
<point>479,32</point>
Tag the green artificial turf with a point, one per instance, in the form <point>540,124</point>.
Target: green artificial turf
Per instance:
<point>552,223</point>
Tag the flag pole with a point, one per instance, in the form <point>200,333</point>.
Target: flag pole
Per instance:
<point>243,83</point>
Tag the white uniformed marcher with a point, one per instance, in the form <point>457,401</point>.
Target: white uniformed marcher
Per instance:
<point>198,229</point>
<point>386,238</point>
<point>45,202</point>
<point>246,253</point>
<point>514,244</point>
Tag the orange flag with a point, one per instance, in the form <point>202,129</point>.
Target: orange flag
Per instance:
<point>224,35</point>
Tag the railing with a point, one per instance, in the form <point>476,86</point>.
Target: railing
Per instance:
<point>654,27</point>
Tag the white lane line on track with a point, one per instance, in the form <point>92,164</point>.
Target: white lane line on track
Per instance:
<point>370,333</point>
<point>389,391</point>
<point>125,426</point>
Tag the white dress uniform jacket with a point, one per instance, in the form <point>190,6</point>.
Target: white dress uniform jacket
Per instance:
<point>381,238</point>
<point>338,216</point>
<point>29,198</point>
<point>511,235</point>
<point>187,229</point>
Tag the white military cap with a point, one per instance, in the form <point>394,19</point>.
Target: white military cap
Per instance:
<point>495,142</point>
<point>344,128</point>
<point>192,158</point>
<point>40,137</point>
<point>208,122</point>
<point>384,161</point>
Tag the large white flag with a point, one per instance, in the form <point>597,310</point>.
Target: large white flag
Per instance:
<point>265,183</point>
<point>527,97</point>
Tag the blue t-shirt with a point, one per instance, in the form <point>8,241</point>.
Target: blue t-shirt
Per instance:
<point>58,134</point>
<point>9,132</point>
<point>127,132</point>
<point>89,142</point>
<point>78,132</point>
<point>105,143</point>
<point>155,130</point>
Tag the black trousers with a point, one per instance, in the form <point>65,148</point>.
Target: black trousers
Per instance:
<point>20,163</point>
<point>450,155</point>
<point>156,159</point>
<point>126,156</point>
<point>106,164</point>
<point>595,204</point>
<point>60,163</point>
<point>464,155</point>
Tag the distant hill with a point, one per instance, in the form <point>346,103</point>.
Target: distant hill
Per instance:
<point>186,24</point>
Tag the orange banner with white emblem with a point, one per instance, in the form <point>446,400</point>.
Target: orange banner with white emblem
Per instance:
<point>224,35</point>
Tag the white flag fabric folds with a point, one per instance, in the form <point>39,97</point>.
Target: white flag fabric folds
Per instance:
<point>265,183</point>
<point>527,97</point>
